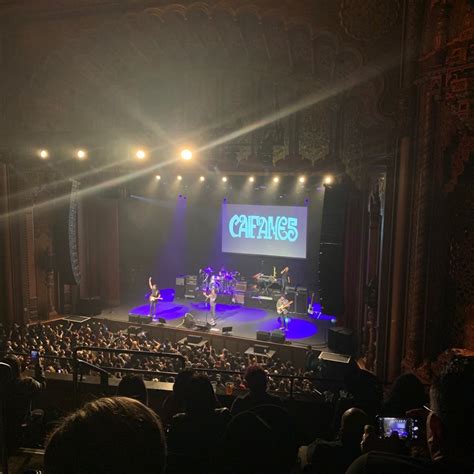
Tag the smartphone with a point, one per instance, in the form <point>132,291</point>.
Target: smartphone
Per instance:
<point>407,428</point>
<point>34,356</point>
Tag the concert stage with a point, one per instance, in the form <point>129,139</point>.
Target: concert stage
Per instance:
<point>244,320</point>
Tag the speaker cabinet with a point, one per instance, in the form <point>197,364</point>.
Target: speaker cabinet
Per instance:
<point>259,349</point>
<point>278,336</point>
<point>90,306</point>
<point>193,339</point>
<point>333,366</point>
<point>263,336</point>
<point>340,340</point>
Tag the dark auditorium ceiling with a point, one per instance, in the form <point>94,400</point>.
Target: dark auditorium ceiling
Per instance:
<point>105,74</point>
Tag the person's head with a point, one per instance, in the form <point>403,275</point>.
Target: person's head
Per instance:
<point>181,383</point>
<point>352,424</point>
<point>450,423</point>
<point>407,392</point>
<point>133,386</point>
<point>199,397</point>
<point>256,379</point>
<point>261,440</point>
<point>118,435</point>
<point>154,286</point>
<point>14,364</point>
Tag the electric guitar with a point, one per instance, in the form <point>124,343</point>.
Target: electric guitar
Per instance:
<point>281,308</point>
<point>310,306</point>
<point>155,298</point>
<point>210,297</point>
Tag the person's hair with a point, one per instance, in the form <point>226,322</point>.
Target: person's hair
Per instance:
<point>451,399</point>
<point>407,392</point>
<point>256,378</point>
<point>261,440</point>
<point>181,383</point>
<point>199,397</point>
<point>133,386</point>
<point>14,364</point>
<point>118,435</point>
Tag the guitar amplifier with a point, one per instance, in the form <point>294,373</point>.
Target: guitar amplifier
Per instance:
<point>239,297</point>
<point>190,291</point>
<point>241,286</point>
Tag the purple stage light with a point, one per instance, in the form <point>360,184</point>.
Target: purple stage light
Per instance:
<point>297,328</point>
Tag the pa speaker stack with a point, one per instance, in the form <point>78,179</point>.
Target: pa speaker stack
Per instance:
<point>340,340</point>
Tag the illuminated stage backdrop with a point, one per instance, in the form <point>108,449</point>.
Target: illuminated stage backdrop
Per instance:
<point>278,231</point>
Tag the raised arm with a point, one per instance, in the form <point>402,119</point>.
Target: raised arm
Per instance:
<point>150,284</point>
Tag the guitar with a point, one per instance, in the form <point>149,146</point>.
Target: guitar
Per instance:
<point>155,298</point>
<point>281,308</point>
<point>210,297</point>
<point>310,306</point>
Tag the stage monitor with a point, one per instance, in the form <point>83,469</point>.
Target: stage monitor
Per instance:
<point>277,231</point>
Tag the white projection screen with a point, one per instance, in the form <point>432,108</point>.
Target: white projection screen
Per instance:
<point>278,231</point>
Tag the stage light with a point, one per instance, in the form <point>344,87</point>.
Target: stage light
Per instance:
<point>224,179</point>
<point>276,179</point>
<point>302,179</point>
<point>43,154</point>
<point>251,179</point>
<point>157,177</point>
<point>81,154</point>
<point>140,154</point>
<point>328,179</point>
<point>179,177</point>
<point>186,154</point>
<point>202,178</point>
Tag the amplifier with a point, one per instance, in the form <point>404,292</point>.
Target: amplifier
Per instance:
<point>190,290</point>
<point>259,349</point>
<point>180,280</point>
<point>239,297</point>
<point>241,286</point>
<point>191,279</point>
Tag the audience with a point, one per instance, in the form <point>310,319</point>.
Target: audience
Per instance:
<point>261,440</point>
<point>334,457</point>
<point>19,396</point>
<point>256,380</point>
<point>448,430</point>
<point>109,435</point>
<point>407,393</point>
<point>195,436</point>
<point>174,403</point>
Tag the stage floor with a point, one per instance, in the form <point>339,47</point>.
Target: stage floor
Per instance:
<point>245,321</point>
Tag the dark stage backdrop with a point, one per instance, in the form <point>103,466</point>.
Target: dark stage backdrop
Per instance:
<point>165,236</point>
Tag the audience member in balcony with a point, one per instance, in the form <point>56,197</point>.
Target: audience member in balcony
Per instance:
<point>449,430</point>
<point>195,437</point>
<point>21,419</point>
<point>261,440</point>
<point>109,435</point>
<point>407,393</point>
<point>133,386</point>
<point>334,457</point>
<point>174,403</point>
<point>256,380</point>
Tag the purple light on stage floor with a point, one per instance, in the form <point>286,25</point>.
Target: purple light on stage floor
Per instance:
<point>166,310</point>
<point>297,328</point>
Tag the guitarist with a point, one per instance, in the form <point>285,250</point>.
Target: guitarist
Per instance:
<point>154,297</point>
<point>282,309</point>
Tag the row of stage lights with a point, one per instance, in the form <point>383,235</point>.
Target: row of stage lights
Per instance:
<point>140,154</point>
<point>328,179</point>
<point>186,154</point>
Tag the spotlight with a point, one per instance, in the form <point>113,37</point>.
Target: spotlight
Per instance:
<point>157,177</point>
<point>43,154</point>
<point>328,179</point>
<point>224,179</point>
<point>251,179</point>
<point>186,154</point>
<point>302,179</point>
<point>81,154</point>
<point>276,179</point>
<point>202,178</point>
<point>179,177</point>
<point>140,154</point>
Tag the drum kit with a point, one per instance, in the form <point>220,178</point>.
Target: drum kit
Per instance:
<point>223,282</point>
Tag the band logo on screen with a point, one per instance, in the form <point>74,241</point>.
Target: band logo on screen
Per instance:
<point>263,227</point>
